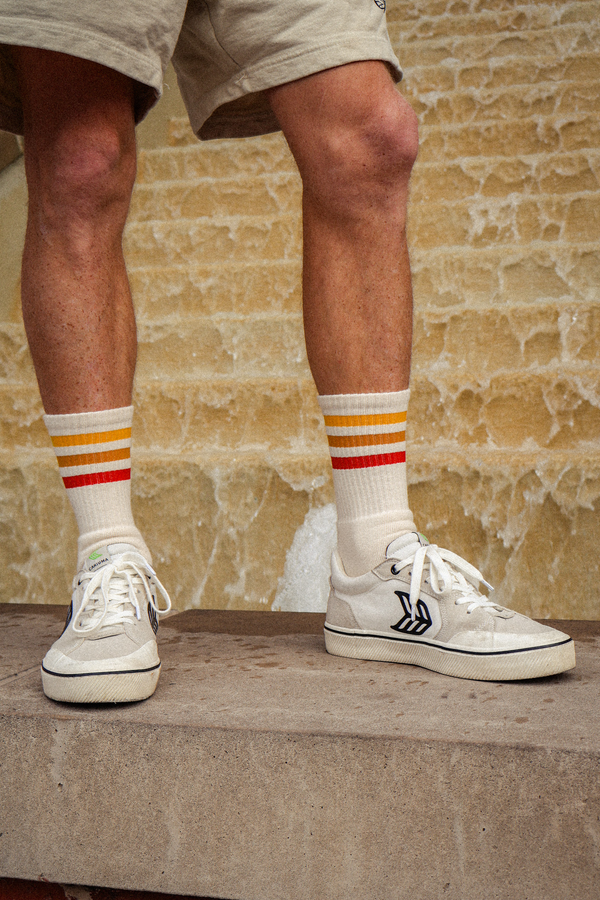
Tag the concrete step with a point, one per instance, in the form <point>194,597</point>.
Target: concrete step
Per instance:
<point>18,889</point>
<point>264,769</point>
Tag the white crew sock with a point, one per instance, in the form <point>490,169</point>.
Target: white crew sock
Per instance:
<point>366,434</point>
<point>93,452</point>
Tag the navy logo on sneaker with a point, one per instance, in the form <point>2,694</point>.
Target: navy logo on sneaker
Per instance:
<point>380,3</point>
<point>152,616</point>
<point>422,620</point>
<point>69,617</point>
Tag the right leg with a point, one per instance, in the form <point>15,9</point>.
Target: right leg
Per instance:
<point>80,160</point>
<point>80,163</point>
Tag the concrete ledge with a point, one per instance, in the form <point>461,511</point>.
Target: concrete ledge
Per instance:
<point>263,769</point>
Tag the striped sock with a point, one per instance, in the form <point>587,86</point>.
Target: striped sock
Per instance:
<point>366,434</point>
<point>93,452</point>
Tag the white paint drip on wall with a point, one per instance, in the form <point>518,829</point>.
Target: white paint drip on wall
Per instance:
<point>304,586</point>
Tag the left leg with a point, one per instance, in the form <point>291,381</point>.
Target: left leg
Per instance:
<point>355,140</point>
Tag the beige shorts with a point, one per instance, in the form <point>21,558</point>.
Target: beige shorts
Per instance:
<point>226,52</point>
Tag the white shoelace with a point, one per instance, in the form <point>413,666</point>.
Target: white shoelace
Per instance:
<point>110,598</point>
<point>443,579</point>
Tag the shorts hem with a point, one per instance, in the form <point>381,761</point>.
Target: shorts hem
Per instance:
<point>84,44</point>
<point>277,71</point>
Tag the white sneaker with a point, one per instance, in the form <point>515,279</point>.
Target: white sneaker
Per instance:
<point>421,606</point>
<point>107,652</point>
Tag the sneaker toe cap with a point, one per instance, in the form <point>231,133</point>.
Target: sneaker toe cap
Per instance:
<point>144,657</point>
<point>505,641</point>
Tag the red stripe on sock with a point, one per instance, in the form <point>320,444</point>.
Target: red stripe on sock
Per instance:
<point>365,462</point>
<point>74,481</point>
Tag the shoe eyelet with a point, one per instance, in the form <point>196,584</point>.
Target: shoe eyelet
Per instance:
<point>394,570</point>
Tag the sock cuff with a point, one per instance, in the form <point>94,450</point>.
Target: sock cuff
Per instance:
<point>363,404</point>
<point>89,422</point>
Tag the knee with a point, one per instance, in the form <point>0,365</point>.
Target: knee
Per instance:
<point>367,160</point>
<point>82,174</point>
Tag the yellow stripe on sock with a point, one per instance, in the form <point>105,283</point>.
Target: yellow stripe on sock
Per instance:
<point>92,459</point>
<point>364,421</point>
<point>366,440</point>
<point>99,437</point>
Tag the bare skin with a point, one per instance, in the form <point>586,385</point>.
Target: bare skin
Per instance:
<point>80,163</point>
<point>354,140</point>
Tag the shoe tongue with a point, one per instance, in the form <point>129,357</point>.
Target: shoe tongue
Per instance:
<point>401,544</point>
<point>104,555</point>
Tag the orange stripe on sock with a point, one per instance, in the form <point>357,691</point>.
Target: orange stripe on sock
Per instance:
<point>365,462</point>
<point>92,459</point>
<point>99,437</point>
<point>365,440</point>
<point>364,421</point>
<point>74,481</point>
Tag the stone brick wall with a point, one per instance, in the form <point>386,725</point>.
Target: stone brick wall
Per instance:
<point>230,458</point>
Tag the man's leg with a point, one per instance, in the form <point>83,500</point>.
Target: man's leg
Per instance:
<point>355,141</point>
<point>80,163</point>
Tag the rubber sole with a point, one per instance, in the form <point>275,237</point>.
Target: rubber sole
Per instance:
<point>504,666</point>
<point>105,687</point>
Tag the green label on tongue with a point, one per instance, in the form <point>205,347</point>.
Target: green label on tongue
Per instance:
<point>96,554</point>
<point>423,538</point>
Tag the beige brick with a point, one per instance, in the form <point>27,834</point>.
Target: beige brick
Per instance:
<point>15,360</point>
<point>220,534</point>
<point>244,347</point>
<point>519,411</point>
<point>258,196</point>
<point>448,277</point>
<point>499,74</point>
<point>451,182</point>
<point>181,292</point>
<point>582,220</point>
<point>180,133</point>
<point>496,139</point>
<point>552,43</point>
<point>507,103</point>
<point>568,173</point>
<point>188,350</point>
<point>475,344</point>
<point>21,422</point>
<point>579,134</point>
<point>515,220</point>
<point>213,240</point>
<point>522,520</point>
<point>39,537</point>
<point>581,328</point>
<point>257,415</point>
<point>482,23</point>
<point>444,278</point>
<point>534,277</point>
<point>267,155</point>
